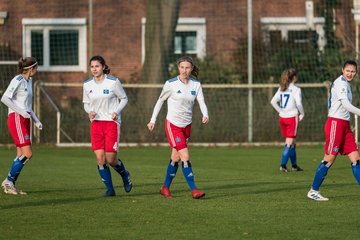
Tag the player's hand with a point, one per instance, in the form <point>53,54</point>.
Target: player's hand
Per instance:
<point>92,116</point>
<point>151,126</point>
<point>301,116</point>
<point>39,125</point>
<point>205,120</point>
<point>114,116</point>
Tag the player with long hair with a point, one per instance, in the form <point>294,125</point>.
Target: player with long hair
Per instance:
<point>290,111</point>
<point>104,99</point>
<point>18,98</point>
<point>338,134</point>
<point>180,93</point>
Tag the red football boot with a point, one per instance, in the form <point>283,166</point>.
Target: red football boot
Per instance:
<point>197,194</point>
<point>165,191</point>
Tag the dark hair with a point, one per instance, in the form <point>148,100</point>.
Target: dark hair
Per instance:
<point>27,63</point>
<point>101,60</point>
<point>195,71</point>
<point>286,78</point>
<point>350,62</point>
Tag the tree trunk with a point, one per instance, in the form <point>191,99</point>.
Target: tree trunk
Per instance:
<point>161,20</point>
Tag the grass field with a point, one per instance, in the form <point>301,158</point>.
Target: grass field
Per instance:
<point>246,197</point>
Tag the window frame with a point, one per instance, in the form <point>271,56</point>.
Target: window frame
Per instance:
<point>48,24</point>
<point>197,25</point>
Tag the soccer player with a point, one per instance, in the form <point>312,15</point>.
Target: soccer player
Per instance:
<point>180,94</point>
<point>339,137</point>
<point>290,111</point>
<point>18,98</point>
<point>104,98</point>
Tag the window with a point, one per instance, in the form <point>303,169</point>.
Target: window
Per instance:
<point>190,38</point>
<point>185,43</point>
<point>58,44</point>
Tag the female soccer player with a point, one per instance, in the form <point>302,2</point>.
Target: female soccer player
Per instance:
<point>180,94</point>
<point>289,97</point>
<point>104,98</point>
<point>18,98</point>
<point>339,137</point>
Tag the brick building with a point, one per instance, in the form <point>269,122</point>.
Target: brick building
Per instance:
<point>64,33</point>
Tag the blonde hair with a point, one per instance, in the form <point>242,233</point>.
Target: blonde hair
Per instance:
<point>286,78</point>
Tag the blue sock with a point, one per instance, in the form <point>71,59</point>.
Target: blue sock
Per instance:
<point>356,170</point>
<point>120,168</point>
<point>285,155</point>
<point>320,174</point>
<point>171,172</point>
<point>105,175</point>
<point>292,155</point>
<point>188,174</point>
<point>16,168</point>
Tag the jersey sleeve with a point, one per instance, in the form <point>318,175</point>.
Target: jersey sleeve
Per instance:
<point>86,98</point>
<point>164,95</point>
<point>121,95</point>
<point>12,88</point>
<point>201,100</point>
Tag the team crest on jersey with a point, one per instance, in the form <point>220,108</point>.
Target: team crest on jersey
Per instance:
<point>106,91</point>
<point>343,90</point>
<point>177,139</point>
<point>193,93</point>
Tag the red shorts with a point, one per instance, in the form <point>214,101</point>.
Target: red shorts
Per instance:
<point>289,126</point>
<point>19,128</point>
<point>339,137</point>
<point>177,136</point>
<point>105,135</point>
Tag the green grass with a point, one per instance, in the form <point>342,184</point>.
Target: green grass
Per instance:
<point>246,197</point>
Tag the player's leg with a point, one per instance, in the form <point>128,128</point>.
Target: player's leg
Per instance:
<point>170,173</point>
<point>98,146</point>
<point>104,172</point>
<point>355,165</point>
<point>287,133</point>
<point>112,137</point>
<point>171,131</point>
<point>292,144</point>
<point>19,128</point>
<point>350,148</point>
<point>188,173</point>
<point>334,142</point>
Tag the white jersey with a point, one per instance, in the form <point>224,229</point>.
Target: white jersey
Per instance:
<point>20,91</point>
<point>103,97</point>
<point>340,89</point>
<point>290,100</point>
<point>180,101</point>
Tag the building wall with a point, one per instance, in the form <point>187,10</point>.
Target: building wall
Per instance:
<point>117,27</point>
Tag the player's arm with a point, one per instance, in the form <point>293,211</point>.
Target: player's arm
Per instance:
<point>37,122</point>
<point>203,108</point>
<point>274,101</point>
<point>8,101</point>
<point>349,107</point>
<point>164,95</point>
<point>87,107</point>
<point>299,106</point>
<point>121,95</point>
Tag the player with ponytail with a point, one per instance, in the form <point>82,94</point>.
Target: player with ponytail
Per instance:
<point>18,98</point>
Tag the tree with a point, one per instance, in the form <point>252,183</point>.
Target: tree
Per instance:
<point>161,20</point>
